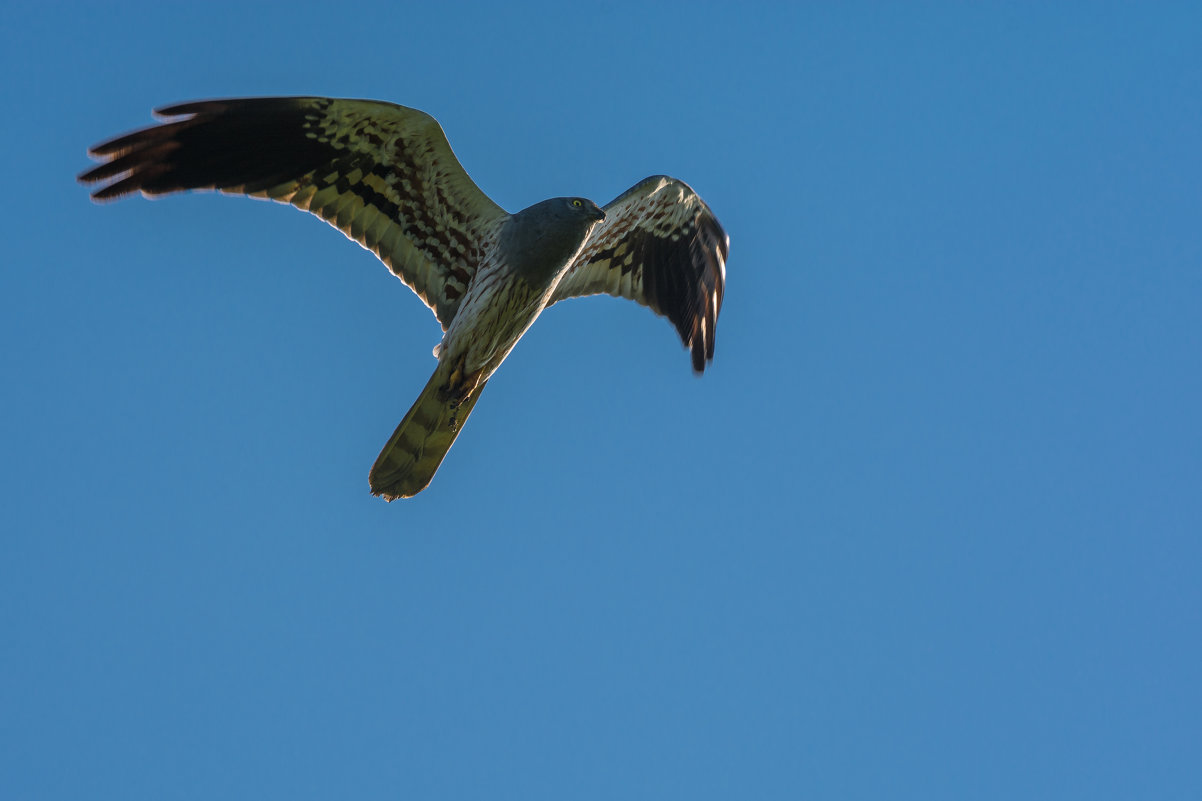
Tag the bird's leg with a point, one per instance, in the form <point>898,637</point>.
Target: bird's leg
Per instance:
<point>459,387</point>
<point>455,402</point>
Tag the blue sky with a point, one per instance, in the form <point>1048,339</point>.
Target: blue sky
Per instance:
<point>929,528</point>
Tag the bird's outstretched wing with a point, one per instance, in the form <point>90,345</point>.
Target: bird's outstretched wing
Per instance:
<point>661,246</point>
<point>382,174</point>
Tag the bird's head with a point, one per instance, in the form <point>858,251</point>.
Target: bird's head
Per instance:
<point>583,207</point>
<point>549,234</point>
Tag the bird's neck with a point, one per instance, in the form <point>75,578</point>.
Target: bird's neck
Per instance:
<point>539,250</point>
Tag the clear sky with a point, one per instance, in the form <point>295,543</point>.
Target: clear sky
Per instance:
<point>928,529</point>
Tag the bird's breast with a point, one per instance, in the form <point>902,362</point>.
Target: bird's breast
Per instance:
<point>499,307</point>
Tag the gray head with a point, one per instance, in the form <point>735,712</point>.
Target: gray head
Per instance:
<point>540,240</point>
<point>566,208</point>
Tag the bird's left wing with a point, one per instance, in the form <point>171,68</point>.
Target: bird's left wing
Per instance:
<point>382,174</point>
<point>661,246</point>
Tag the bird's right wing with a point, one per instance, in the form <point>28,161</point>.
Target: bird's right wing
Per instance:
<point>382,174</point>
<point>661,246</point>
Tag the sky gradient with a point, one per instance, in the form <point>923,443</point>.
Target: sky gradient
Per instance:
<point>927,529</point>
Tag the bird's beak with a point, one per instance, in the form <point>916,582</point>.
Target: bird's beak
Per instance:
<point>598,213</point>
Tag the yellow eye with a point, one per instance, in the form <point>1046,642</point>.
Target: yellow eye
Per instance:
<point>577,203</point>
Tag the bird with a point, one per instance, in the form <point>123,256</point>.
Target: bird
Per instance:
<point>385,176</point>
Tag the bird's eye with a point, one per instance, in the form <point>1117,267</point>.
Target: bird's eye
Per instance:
<point>577,203</point>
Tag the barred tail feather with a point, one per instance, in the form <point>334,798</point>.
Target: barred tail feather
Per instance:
<point>409,461</point>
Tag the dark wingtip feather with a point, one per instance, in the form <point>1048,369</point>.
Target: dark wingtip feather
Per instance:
<point>220,144</point>
<point>707,255</point>
<point>190,108</point>
<point>698,351</point>
<point>227,104</point>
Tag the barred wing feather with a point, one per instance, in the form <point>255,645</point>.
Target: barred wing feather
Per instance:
<point>381,173</point>
<point>661,246</point>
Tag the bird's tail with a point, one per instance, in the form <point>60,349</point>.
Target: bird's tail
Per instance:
<point>411,458</point>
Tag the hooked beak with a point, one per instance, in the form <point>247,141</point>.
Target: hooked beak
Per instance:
<point>598,214</point>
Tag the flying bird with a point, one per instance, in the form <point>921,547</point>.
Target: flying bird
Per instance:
<point>385,176</point>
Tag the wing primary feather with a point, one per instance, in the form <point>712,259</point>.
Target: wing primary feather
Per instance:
<point>334,158</point>
<point>660,245</point>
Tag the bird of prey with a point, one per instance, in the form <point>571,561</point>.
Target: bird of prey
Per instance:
<point>385,176</point>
